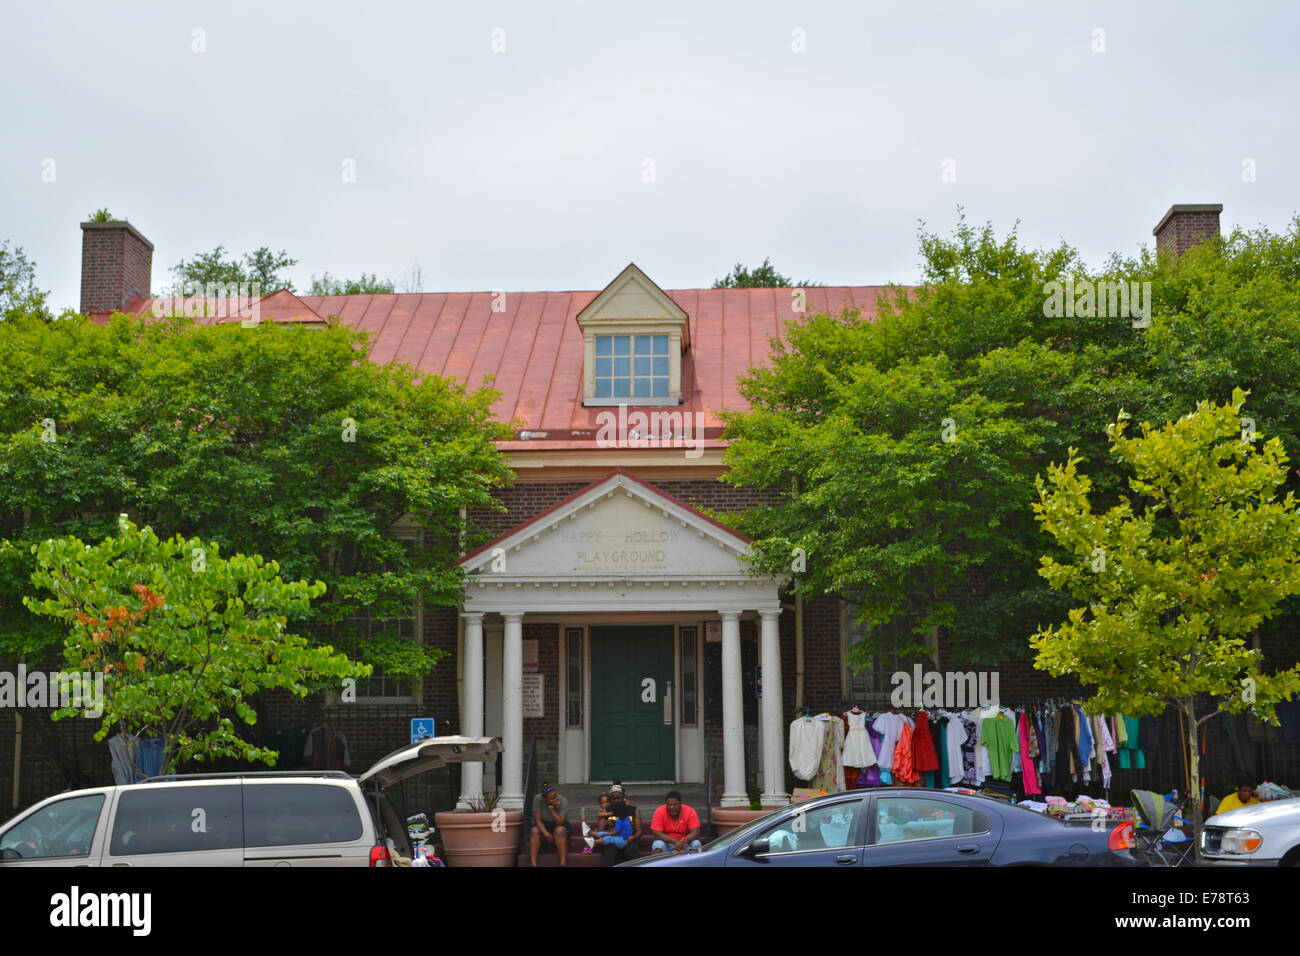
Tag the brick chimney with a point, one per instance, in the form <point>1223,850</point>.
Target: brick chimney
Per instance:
<point>1186,225</point>
<point>116,266</point>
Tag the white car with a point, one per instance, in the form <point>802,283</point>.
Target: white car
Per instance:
<point>1262,834</point>
<point>275,818</point>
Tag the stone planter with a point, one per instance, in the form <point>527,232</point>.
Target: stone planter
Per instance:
<point>726,819</point>
<point>468,839</point>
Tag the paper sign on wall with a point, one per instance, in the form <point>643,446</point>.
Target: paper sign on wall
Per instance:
<point>534,695</point>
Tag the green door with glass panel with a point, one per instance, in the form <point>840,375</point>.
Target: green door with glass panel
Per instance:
<point>629,739</point>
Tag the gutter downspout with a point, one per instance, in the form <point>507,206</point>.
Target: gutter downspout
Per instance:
<point>798,651</point>
<point>460,641</point>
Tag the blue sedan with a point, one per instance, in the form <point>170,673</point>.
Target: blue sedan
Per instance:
<point>909,827</point>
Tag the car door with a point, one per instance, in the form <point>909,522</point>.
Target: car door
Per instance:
<point>914,830</point>
<point>304,823</point>
<point>168,824</point>
<point>826,833</point>
<point>68,831</point>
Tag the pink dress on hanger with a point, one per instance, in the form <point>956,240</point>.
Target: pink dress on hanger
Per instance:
<point>1027,765</point>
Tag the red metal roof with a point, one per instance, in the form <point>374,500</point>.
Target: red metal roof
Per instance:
<point>534,346</point>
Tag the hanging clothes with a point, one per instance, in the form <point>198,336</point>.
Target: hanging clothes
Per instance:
<point>123,750</point>
<point>1029,772</point>
<point>327,749</point>
<point>830,771</point>
<point>924,759</point>
<point>1131,754</point>
<point>998,736</point>
<point>889,726</point>
<point>807,737</point>
<point>904,770</point>
<point>870,777</point>
<point>939,731</point>
<point>857,745</point>
<point>969,770</point>
<point>955,735</point>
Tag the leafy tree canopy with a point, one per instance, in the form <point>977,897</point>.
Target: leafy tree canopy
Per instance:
<point>271,440</point>
<point>18,293</point>
<point>1178,575</point>
<point>365,284</point>
<point>764,276</point>
<point>905,444</point>
<point>181,637</point>
<point>261,266</point>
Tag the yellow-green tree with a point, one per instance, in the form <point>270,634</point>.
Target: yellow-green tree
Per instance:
<point>1177,577</point>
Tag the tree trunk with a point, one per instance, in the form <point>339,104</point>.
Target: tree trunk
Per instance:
<point>1187,707</point>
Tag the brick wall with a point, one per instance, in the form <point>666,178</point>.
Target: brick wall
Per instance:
<point>116,266</point>
<point>1186,225</point>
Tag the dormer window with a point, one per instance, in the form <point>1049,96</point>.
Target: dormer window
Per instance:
<point>634,335</point>
<point>632,366</point>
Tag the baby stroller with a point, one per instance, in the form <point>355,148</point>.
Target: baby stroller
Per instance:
<point>1158,841</point>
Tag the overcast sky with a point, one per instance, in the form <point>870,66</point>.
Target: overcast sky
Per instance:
<point>545,144</point>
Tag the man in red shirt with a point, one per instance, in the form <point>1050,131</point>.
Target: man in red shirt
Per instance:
<point>674,826</point>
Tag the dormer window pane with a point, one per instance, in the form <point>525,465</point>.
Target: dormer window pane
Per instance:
<point>632,366</point>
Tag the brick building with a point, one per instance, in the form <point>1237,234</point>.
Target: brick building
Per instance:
<point>611,621</point>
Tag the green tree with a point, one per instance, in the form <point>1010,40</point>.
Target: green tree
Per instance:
<point>213,268</point>
<point>977,342</point>
<point>18,293</point>
<point>183,637</point>
<point>271,440</point>
<point>764,276</point>
<point>101,215</point>
<point>1177,578</point>
<point>365,284</point>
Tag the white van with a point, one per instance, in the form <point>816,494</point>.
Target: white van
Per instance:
<point>300,818</point>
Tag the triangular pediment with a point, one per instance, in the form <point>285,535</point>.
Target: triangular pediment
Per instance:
<point>617,529</point>
<point>632,297</point>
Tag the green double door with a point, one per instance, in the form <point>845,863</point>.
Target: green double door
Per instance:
<point>631,668</point>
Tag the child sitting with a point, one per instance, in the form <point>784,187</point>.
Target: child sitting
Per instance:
<point>618,828</point>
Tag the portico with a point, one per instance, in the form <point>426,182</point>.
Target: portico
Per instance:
<point>633,579</point>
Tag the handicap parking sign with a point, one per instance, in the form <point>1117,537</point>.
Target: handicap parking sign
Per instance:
<point>421,729</point>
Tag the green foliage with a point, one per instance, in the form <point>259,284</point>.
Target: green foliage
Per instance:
<point>366,284</point>
<point>101,215</point>
<point>1178,577</point>
<point>764,276</point>
<point>270,440</point>
<point>847,421</point>
<point>184,636</point>
<point>261,266</point>
<point>18,293</point>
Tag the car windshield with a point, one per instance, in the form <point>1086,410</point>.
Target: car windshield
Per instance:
<point>742,831</point>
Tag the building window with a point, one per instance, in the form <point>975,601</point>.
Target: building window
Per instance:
<point>632,366</point>
<point>573,676</point>
<point>690,677</point>
<point>380,688</point>
<point>870,686</point>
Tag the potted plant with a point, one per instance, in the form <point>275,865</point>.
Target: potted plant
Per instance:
<point>726,819</point>
<point>481,834</point>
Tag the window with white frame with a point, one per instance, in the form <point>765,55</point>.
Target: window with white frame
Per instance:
<point>632,366</point>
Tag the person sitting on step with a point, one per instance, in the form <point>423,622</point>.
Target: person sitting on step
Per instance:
<point>618,828</point>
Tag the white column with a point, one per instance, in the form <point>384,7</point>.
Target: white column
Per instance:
<point>512,715</point>
<point>471,718</point>
<point>733,715</point>
<point>770,715</point>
